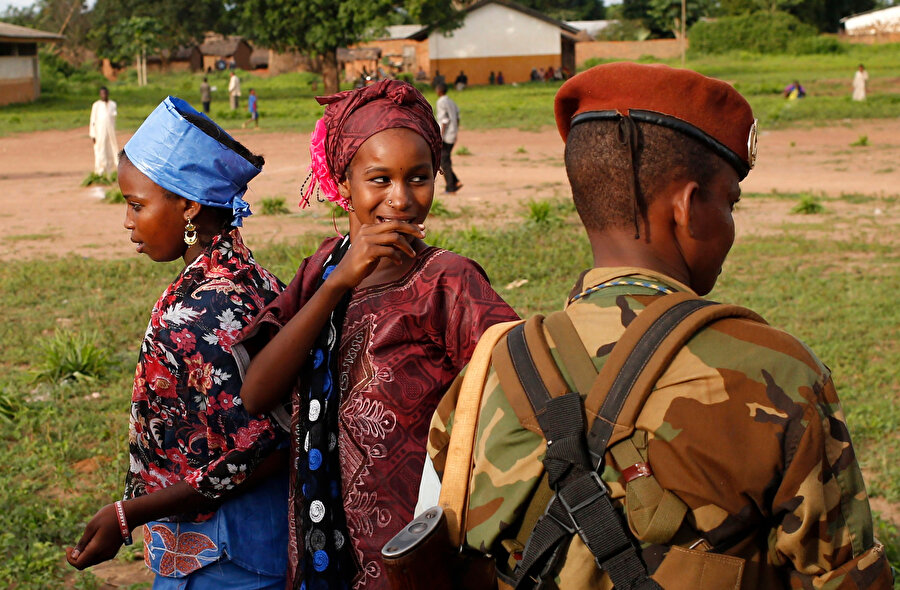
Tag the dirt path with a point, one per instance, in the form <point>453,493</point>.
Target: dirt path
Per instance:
<point>45,212</point>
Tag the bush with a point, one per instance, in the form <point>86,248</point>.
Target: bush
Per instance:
<point>104,179</point>
<point>808,205</point>
<point>114,195</point>
<point>623,30</point>
<point>760,32</point>
<point>274,206</point>
<point>69,356</point>
<point>819,45</point>
<point>60,77</point>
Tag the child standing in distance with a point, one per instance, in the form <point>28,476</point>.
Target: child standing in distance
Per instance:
<point>253,109</point>
<point>372,331</point>
<point>199,462</point>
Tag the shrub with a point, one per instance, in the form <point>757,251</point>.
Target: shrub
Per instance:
<point>808,205</point>
<point>274,206</point>
<point>114,195</point>
<point>861,141</point>
<point>104,179</point>
<point>61,77</point>
<point>819,45</point>
<point>439,209</point>
<point>760,32</point>
<point>542,213</point>
<point>463,151</point>
<point>9,406</point>
<point>623,30</point>
<point>337,210</point>
<point>70,356</point>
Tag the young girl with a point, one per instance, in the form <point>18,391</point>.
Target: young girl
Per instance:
<point>375,325</point>
<point>212,519</point>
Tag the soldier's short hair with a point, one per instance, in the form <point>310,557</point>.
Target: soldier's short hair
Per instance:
<point>599,169</point>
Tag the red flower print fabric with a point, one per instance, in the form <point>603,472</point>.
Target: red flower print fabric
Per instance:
<point>187,419</point>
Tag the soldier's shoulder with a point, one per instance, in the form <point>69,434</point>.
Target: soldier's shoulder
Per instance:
<point>758,349</point>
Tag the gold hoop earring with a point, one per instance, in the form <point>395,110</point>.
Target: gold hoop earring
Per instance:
<point>190,233</point>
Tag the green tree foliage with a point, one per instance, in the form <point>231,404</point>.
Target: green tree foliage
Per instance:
<point>566,10</point>
<point>825,15</point>
<point>133,36</point>
<point>68,17</point>
<point>180,22</point>
<point>760,32</point>
<point>663,17</point>
<point>320,27</point>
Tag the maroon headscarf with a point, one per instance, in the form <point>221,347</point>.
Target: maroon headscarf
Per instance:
<point>353,116</point>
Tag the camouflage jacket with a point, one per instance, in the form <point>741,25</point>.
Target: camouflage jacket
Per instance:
<point>745,427</point>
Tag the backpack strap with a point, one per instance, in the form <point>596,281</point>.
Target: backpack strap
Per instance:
<point>654,514</point>
<point>650,341</point>
<point>454,498</point>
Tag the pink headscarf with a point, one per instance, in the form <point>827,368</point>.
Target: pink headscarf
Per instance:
<point>353,116</point>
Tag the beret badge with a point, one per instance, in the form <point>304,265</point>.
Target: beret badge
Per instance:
<point>752,146</point>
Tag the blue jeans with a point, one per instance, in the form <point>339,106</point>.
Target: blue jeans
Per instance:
<point>222,575</point>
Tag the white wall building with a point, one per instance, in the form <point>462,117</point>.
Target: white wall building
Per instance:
<point>501,36</point>
<point>874,22</point>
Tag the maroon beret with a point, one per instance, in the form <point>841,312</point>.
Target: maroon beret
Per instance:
<point>710,111</point>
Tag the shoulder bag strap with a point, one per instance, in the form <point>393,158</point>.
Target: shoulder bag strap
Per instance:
<point>458,468</point>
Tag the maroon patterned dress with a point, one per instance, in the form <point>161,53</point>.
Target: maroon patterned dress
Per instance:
<point>402,344</point>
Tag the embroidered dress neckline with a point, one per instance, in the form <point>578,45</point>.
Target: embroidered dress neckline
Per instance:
<point>421,259</point>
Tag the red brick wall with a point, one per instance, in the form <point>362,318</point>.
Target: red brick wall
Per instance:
<point>627,50</point>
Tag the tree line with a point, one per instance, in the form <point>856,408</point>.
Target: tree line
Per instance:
<point>122,30</point>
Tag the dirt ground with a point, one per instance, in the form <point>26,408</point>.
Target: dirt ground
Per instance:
<point>45,212</point>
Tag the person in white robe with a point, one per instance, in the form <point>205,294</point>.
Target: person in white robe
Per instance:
<point>103,134</point>
<point>860,81</point>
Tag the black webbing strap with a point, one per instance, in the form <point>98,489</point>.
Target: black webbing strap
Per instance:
<point>582,503</point>
<point>602,429</point>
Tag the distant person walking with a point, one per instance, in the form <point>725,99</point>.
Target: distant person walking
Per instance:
<point>205,95</point>
<point>448,119</point>
<point>253,109</point>
<point>103,133</point>
<point>234,91</point>
<point>860,83</point>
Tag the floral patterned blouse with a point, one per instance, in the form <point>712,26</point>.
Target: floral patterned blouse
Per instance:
<point>187,420</point>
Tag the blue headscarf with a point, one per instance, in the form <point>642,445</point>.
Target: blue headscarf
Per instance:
<point>181,158</point>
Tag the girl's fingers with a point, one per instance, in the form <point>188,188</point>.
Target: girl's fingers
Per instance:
<point>411,229</point>
<point>392,238</point>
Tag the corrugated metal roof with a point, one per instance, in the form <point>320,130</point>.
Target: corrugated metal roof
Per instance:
<point>10,32</point>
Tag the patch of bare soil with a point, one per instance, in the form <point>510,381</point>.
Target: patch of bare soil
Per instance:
<point>45,212</point>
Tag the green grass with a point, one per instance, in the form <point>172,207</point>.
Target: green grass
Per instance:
<point>273,206</point>
<point>837,293</point>
<point>102,179</point>
<point>808,205</point>
<point>287,104</point>
<point>114,196</point>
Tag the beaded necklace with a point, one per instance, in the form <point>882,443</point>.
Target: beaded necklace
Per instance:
<point>623,283</point>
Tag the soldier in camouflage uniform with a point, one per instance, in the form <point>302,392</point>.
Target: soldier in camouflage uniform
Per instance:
<point>744,426</point>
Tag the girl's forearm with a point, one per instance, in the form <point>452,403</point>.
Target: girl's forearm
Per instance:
<point>179,498</point>
<point>274,369</point>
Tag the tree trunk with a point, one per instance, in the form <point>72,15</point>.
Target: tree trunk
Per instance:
<point>330,74</point>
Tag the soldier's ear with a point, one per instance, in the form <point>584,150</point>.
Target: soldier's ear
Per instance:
<point>685,199</point>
